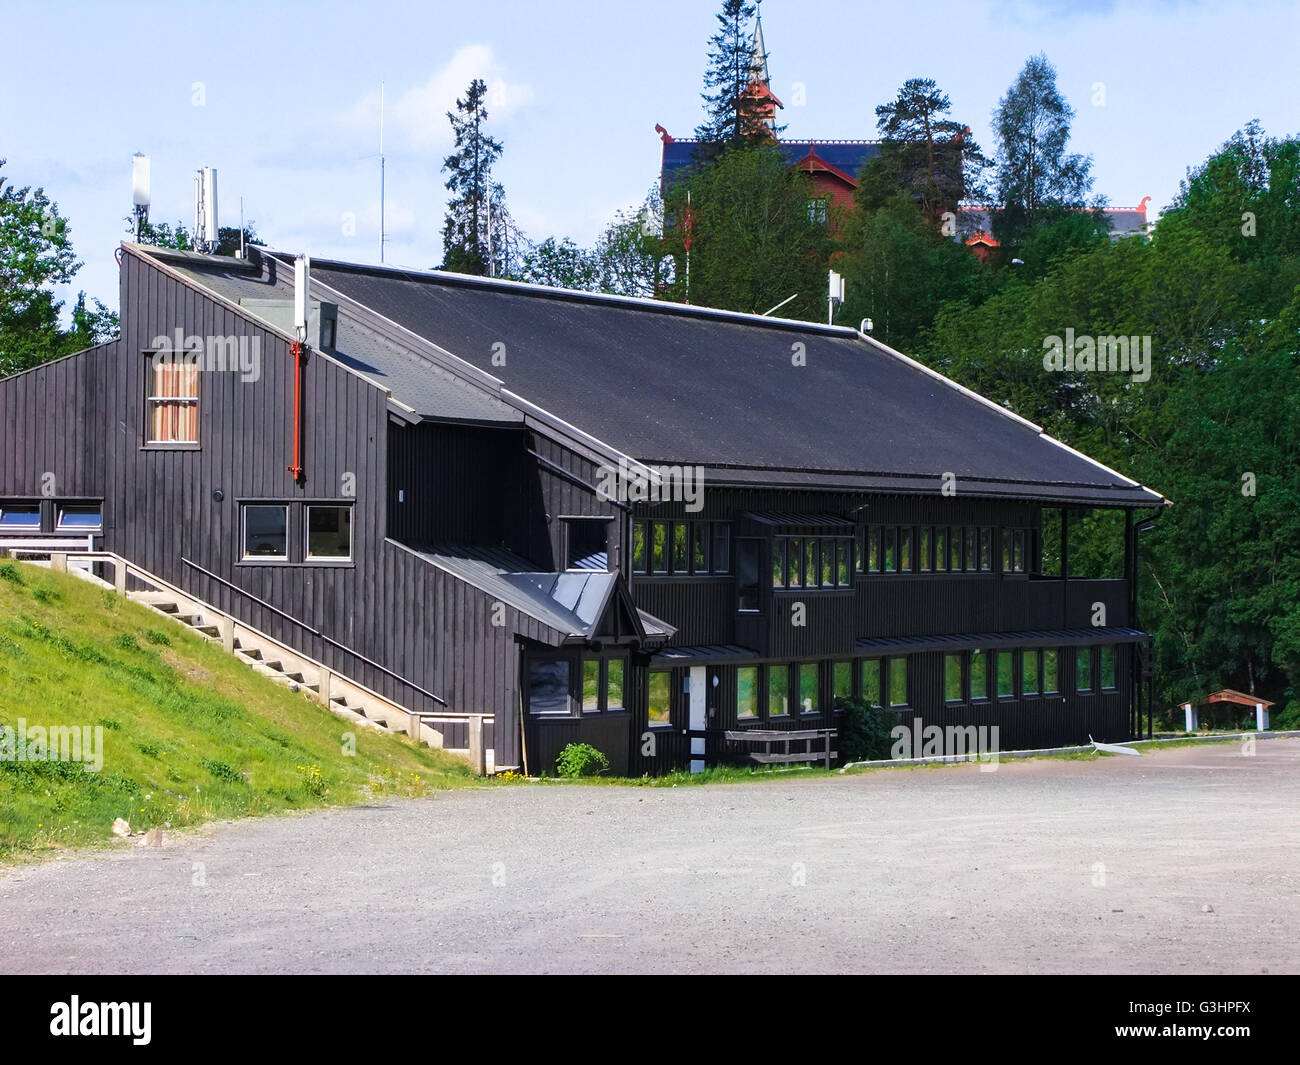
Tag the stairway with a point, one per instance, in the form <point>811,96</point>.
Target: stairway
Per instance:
<point>272,660</point>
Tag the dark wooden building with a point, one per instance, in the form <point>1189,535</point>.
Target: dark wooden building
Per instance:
<point>594,518</point>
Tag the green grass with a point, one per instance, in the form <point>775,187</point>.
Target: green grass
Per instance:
<point>190,734</point>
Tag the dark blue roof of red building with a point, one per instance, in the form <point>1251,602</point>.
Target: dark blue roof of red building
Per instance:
<point>848,156</point>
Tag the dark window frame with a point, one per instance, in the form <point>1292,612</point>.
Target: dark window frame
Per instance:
<point>245,559</point>
<point>309,559</point>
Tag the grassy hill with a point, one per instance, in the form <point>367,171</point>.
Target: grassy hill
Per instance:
<point>189,733</point>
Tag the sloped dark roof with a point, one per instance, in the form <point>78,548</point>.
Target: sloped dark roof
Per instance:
<point>415,382</point>
<point>671,385</point>
<point>848,156</point>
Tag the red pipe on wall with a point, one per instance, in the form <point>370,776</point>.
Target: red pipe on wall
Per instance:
<point>295,348</point>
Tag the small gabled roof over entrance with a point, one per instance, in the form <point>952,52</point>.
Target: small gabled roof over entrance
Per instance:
<point>583,605</point>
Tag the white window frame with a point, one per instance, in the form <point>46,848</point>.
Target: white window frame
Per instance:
<point>243,533</point>
<point>306,532</point>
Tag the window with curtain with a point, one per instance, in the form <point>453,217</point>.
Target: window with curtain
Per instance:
<point>172,403</point>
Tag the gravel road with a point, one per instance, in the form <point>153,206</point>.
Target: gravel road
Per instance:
<point>1041,866</point>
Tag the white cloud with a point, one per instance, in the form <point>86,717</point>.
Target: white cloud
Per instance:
<point>415,120</point>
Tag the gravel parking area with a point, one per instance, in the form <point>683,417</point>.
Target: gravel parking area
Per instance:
<point>1183,860</point>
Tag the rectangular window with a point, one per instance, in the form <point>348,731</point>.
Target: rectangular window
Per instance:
<point>638,547</point>
<point>826,549</point>
<point>1083,669</point>
<point>329,533</point>
<point>897,681</point>
<point>1050,683</point>
<point>721,547</point>
<point>954,550</point>
<point>941,549</point>
<point>972,549</point>
<point>871,681</point>
<point>266,532</point>
<point>659,704</point>
<point>810,563</point>
<point>1029,672</point>
<point>891,550</point>
<point>78,518</point>
<point>680,564</point>
<point>860,550</point>
<point>747,691</point>
<point>923,549</point>
<point>20,517</point>
<point>586,544</point>
<point>548,687</point>
<point>1018,551</point>
<point>659,547</point>
<point>747,575</point>
<point>172,403</point>
<point>1006,550</point>
<point>873,549</point>
<point>979,675</point>
<point>842,680</point>
<point>809,703</point>
<point>591,685</point>
<point>700,553</point>
<point>952,689</point>
<point>795,563</point>
<point>905,550</point>
<point>1108,668</point>
<point>616,670</point>
<point>778,562</point>
<point>1006,674</point>
<point>842,549</point>
<point>986,550</point>
<point>778,691</point>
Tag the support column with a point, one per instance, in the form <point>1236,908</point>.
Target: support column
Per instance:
<point>477,752</point>
<point>1261,717</point>
<point>1189,711</point>
<point>697,715</point>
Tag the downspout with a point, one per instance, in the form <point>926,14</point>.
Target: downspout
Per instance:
<point>296,350</point>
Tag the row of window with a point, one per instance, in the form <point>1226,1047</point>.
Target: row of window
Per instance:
<point>681,547</point>
<point>782,689</point>
<point>25,517</point>
<point>939,549</point>
<point>976,676</point>
<point>265,532</point>
<point>551,691</point>
<point>812,562</point>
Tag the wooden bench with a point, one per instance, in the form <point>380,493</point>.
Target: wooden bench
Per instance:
<point>768,737</point>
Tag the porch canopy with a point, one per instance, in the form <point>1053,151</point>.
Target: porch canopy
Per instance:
<point>1229,695</point>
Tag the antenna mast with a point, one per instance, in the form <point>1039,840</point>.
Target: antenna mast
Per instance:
<point>381,172</point>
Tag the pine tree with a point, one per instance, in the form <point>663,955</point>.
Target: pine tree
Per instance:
<point>926,154</point>
<point>1032,124</point>
<point>733,115</point>
<point>476,208</point>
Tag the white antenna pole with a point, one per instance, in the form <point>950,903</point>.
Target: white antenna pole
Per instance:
<point>242,251</point>
<point>381,172</point>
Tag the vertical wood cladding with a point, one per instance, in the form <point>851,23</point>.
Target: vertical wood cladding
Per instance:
<point>82,419</point>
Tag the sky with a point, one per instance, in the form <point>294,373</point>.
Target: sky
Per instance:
<point>283,99</point>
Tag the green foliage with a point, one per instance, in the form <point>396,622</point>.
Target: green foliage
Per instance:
<point>899,270</point>
<point>754,239</point>
<point>189,733</point>
<point>581,760</point>
<point>864,731</point>
<point>925,155</point>
<point>1216,427</point>
<point>561,264</point>
<point>35,255</point>
<point>1034,170</point>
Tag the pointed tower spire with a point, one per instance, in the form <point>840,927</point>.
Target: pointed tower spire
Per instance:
<point>758,51</point>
